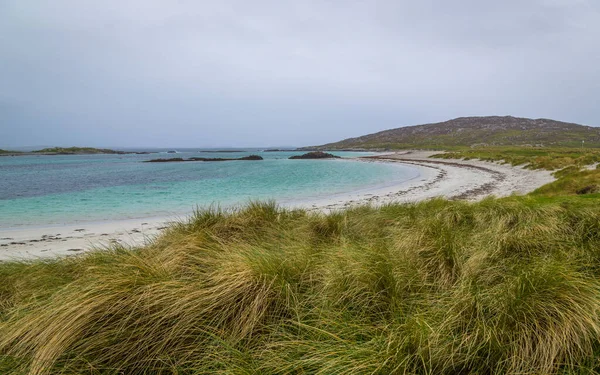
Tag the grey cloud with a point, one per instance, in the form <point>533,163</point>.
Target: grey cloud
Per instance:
<point>199,73</point>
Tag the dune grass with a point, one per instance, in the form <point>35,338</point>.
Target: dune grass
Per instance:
<point>549,158</point>
<point>502,286</point>
<point>571,182</point>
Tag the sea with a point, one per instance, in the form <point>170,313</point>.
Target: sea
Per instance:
<point>45,190</point>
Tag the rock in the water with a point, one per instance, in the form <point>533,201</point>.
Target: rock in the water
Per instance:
<point>250,157</point>
<point>315,155</point>
<point>164,160</point>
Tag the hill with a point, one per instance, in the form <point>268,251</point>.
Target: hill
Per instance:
<point>470,131</point>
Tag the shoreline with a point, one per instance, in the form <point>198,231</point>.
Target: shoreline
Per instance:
<point>451,179</point>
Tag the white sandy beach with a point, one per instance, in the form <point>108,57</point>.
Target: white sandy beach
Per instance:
<point>453,179</point>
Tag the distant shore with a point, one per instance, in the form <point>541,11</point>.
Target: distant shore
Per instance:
<point>72,151</point>
<point>452,179</point>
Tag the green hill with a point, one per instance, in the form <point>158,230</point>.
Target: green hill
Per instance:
<point>470,131</point>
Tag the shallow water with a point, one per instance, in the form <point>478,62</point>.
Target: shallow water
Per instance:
<point>61,189</point>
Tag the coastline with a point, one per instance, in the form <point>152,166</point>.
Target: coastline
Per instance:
<point>452,179</point>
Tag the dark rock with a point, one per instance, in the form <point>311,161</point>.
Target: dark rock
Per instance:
<point>164,160</point>
<point>315,155</point>
<point>219,151</point>
<point>590,189</point>
<point>250,157</point>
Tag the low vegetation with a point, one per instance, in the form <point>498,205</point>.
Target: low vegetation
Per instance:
<point>530,157</point>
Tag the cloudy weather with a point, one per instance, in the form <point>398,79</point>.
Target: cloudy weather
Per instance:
<point>239,73</point>
<point>300,187</point>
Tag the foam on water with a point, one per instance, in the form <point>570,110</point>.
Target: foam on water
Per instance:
<point>46,190</point>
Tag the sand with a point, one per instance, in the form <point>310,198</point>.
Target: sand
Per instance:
<point>452,179</point>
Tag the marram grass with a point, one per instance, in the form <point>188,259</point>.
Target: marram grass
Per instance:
<point>507,286</point>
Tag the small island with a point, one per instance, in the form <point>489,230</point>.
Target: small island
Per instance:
<point>8,152</point>
<point>219,151</point>
<point>315,155</point>
<point>77,151</point>
<point>72,151</point>
<point>175,160</point>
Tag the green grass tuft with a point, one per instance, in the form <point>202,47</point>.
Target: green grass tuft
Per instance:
<point>509,286</point>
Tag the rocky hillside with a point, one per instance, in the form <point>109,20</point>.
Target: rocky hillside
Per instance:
<point>471,131</point>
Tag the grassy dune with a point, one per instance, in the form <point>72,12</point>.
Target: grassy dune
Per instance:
<point>499,286</point>
<point>577,170</point>
<point>548,158</point>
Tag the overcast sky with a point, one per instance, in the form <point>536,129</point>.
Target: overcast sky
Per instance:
<point>264,73</point>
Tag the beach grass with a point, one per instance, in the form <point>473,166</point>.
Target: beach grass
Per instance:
<point>549,158</point>
<point>501,286</point>
<point>577,170</point>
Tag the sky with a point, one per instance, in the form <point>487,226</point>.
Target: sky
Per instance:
<point>238,73</point>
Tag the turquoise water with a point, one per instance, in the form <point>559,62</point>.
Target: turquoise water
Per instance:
<point>49,190</point>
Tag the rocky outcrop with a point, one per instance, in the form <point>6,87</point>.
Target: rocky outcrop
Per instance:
<point>250,157</point>
<point>220,151</point>
<point>165,160</point>
<point>315,155</point>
